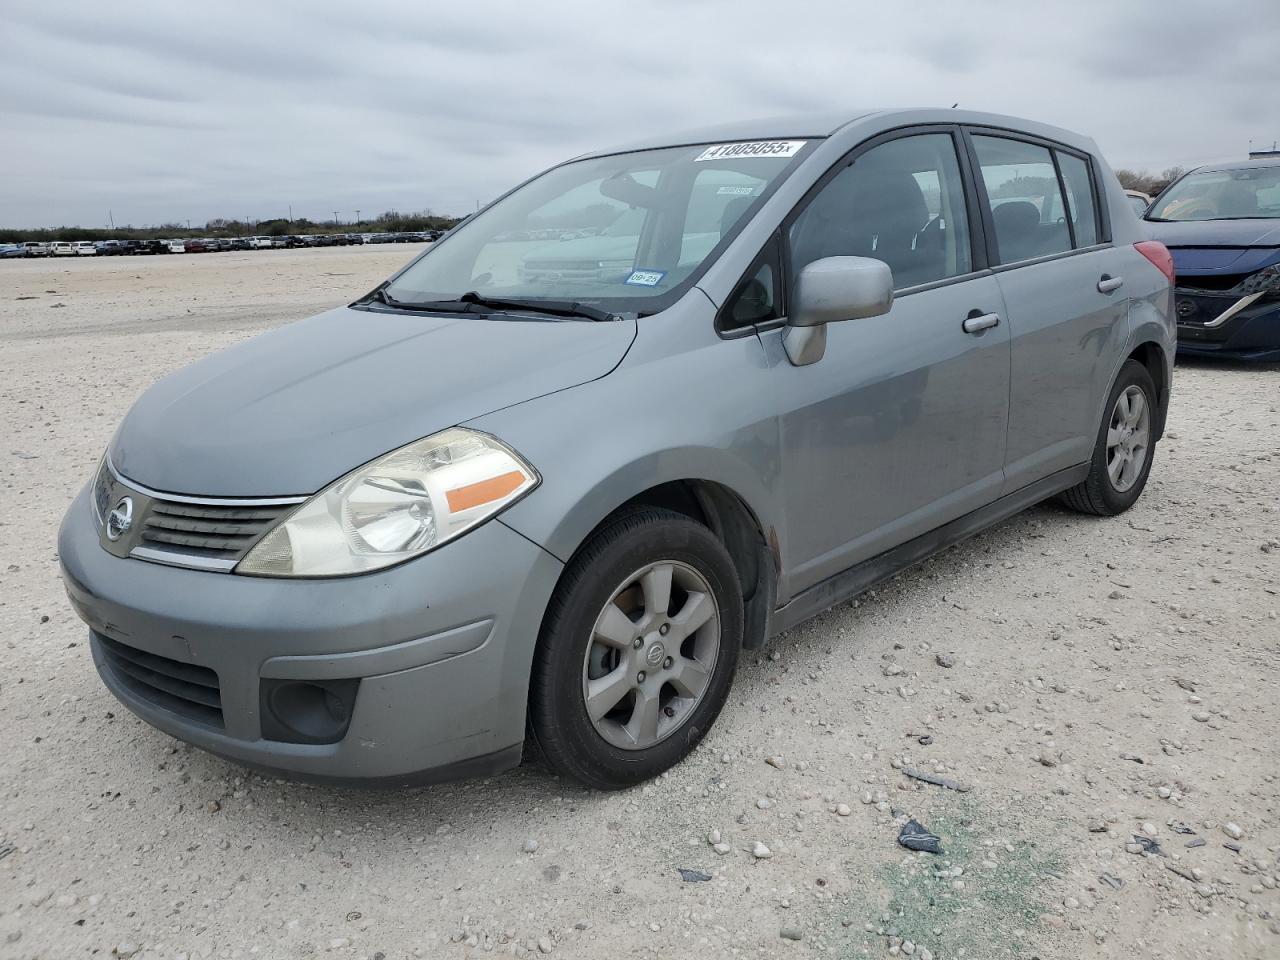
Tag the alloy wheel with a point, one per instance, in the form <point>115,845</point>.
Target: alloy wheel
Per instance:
<point>1128,438</point>
<point>651,656</point>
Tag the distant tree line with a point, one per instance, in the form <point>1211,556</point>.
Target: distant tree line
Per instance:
<point>1149,183</point>
<point>392,221</point>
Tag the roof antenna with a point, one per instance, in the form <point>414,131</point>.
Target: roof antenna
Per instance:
<point>956,104</point>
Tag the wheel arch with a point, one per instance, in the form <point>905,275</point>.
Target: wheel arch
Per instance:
<point>750,539</point>
<point>735,524</point>
<point>1152,356</point>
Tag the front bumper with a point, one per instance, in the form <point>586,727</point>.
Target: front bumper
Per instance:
<point>442,648</point>
<point>1251,334</point>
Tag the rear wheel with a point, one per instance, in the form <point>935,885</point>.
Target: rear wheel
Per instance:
<point>1123,450</point>
<point>638,649</point>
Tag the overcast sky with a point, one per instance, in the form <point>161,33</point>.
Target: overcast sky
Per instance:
<point>170,111</point>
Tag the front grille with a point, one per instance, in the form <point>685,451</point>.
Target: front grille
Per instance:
<point>207,530</point>
<point>1216,283</point>
<point>211,534</point>
<point>1195,309</point>
<point>186,689</point>
<point>102,491</point>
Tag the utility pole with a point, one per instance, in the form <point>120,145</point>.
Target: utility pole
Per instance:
<point>111,217</point>
<point>335,218</point>
<point>357,219</point>
<point>291,214</point>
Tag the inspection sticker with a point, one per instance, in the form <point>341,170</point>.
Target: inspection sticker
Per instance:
<point>758,148</point>
<point>742,191</point>
<point>645,278</point>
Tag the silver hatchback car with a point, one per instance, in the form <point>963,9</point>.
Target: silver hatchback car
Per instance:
<point>643,412</point>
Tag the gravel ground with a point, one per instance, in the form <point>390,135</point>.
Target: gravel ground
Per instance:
<point>1090,680</point>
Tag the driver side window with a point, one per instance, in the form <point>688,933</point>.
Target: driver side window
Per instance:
<point>901,202</point>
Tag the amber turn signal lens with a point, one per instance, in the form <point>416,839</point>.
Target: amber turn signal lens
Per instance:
<point>484,491</point>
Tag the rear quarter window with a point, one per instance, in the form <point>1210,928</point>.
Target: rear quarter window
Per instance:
<point>1078,180</point>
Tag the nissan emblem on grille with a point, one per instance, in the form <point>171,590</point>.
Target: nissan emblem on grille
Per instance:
<point>120,519</point>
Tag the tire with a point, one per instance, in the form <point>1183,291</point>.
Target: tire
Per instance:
<point>1102,493</point>
<point>584,647</point>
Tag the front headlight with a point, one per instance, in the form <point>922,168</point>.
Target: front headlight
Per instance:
<point>395,508</point>
<point>1266,280</point>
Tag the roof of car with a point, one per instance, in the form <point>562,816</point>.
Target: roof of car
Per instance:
<point>806,125</point>
<point>1240,164</point>
<point>765,128</point>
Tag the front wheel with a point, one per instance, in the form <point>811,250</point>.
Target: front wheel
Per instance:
<point>1124,448</point>
<point>638,650</point>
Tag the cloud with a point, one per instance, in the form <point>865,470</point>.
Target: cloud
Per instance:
<point>162,111</point>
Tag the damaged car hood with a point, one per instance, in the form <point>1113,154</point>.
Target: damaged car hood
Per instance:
<point>1216,233</point>
<point>290,411</point>
<point>1209,247</point>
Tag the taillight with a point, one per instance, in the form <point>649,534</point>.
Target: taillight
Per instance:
<point>1158,254</point>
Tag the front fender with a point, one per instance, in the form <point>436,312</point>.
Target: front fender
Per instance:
<point>704,414</point>
<point>561,519</point>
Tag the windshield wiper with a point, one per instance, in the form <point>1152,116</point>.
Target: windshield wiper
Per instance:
<point>555,308</point>
<point>470,300</point>
<point>430,306</point>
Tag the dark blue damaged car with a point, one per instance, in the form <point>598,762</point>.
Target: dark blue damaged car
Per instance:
<point>1222,225</point>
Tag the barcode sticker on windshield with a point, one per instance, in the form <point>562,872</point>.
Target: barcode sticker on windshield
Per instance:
<point>758,148</point>
<point>645,278</point>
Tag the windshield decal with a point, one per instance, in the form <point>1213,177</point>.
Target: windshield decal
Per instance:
<point>758,148</point>
<point>645,278</point>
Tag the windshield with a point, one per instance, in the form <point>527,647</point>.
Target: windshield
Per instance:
<point>623,232</point>
<point>1250,193</point>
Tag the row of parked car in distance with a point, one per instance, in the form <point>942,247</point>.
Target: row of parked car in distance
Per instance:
<point>107,248</point>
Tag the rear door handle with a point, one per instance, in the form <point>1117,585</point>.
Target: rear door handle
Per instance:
<point>1108,283</point>
<point>977,322</point>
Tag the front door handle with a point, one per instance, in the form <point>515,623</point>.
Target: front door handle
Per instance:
<point>977,322</point>
<point>1109,284</point>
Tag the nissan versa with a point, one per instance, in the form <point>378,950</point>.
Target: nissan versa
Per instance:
<point>644,411</point>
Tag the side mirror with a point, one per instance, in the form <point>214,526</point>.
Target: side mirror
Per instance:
<point>830,290</point>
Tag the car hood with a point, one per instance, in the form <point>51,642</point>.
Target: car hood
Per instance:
<point>1208,247</point>
<point>1215,233</point>
<point>292,410</point>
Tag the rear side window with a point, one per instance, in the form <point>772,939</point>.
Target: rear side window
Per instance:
<point>1026,200</point>
<point>901,202</point>
<point>1080,203</point>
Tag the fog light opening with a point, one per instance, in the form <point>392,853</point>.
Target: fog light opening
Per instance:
<point>305,711</point>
